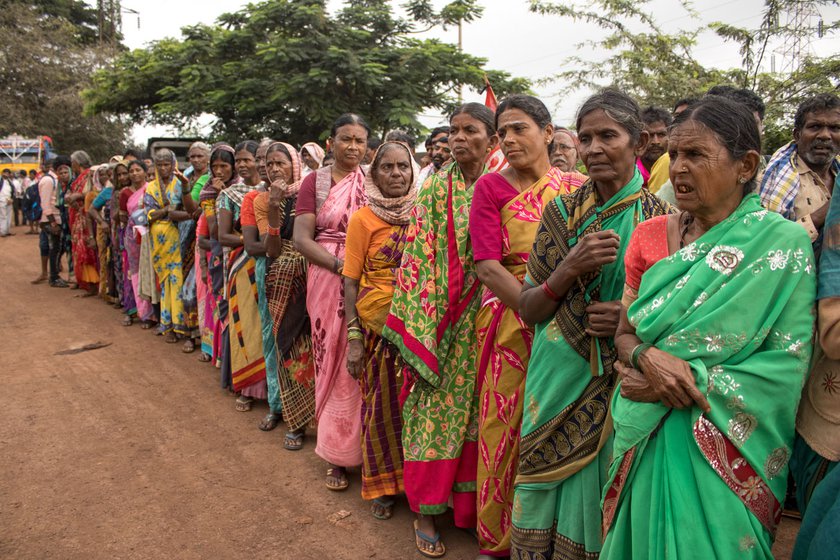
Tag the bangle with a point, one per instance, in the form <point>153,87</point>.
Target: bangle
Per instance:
<point>337,266</point>
<point>355,336</point>
<point>355,320</point>
<point>549,292</point>
<point>274,231</point>
<point>637,352</point>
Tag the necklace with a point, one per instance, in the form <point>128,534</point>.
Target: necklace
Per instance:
<point>686,220</point>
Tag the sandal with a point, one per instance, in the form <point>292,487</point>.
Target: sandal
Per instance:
<point>420,537</point>
<point>382,508</point>
<point>127,321</point>
<point>338,475</point>
<point>189,346</point>
<point>205,357</point>
<point>171,337</point>
<point>148,325</point>
<point>293,441</point>
<point>244,404</point>
<point>270,421</point>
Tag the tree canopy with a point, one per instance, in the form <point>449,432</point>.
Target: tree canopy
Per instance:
<point>47,57</point>
<point>659,68</point>
<point>287,69</point>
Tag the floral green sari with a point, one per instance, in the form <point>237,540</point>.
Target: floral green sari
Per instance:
<point>737,306</point>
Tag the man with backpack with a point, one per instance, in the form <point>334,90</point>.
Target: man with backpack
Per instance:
<point>30,204</point>
<point>50,241</point>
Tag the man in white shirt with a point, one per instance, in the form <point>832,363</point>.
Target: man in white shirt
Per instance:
<point>7,194</point>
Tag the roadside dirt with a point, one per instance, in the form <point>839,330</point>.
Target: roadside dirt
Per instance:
<point>133,451</point>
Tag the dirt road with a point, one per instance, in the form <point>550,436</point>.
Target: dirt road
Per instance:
<point>133,451</point>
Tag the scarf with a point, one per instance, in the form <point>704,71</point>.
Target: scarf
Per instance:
<point>207,191</point>
<point>395,211</point>
<point>291,190</point>
<point>316,151</point>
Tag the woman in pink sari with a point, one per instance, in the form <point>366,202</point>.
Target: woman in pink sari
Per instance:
<point>326,200</point>
<point>137,174</point>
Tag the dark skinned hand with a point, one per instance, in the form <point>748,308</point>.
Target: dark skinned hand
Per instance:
<point>277,193</point>
<point>217,184</point>
<point>672,379</point>
<point>355,358</point>
<point>592,252</point>
<point>602,318</point>
<point>634,385</point>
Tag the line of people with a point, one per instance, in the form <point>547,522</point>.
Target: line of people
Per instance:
<point>571,364</point>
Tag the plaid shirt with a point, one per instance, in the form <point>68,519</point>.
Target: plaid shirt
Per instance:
<point>780,183</point>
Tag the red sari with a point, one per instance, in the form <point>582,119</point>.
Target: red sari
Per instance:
<point>84,258</point>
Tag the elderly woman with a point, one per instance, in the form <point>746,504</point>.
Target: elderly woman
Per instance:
<point>704,418</point>
<point>376,237</point>
<point>96,198</point>
<point>84,249</point>
<point>564,154</point>
<point>313,157</point>
<point>505,212</point>
<point>285,284</point>
<point>255,236</point>
<point>125,232</point>
<point>571,294</point>
<point>162,203</point>
<point>327,199</point>
<point>432,323</point>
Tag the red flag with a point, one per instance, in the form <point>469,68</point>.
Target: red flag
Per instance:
<point>496,159</point>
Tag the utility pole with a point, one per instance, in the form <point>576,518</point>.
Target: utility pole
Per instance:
<point>460,49</point>
<point>801,21</point>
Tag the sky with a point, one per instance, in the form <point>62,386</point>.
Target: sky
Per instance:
<point>508,35</point>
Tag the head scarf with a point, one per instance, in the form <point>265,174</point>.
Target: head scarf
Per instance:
<point>113,165</point>
<point>96,184</point>
<point>316,151</point>
<point>207,191</point>
<point>396,211</point>
<point>296,165</point>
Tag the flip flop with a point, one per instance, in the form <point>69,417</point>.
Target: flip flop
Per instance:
<point>434,541</point>
<point>387,506</point>
<point>270,422</point>
<point>293,441</point>
<point>205,357</point>
<point>244,404</point>
<point>343,485</point>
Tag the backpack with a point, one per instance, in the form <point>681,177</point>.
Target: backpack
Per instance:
<point>32,202</point>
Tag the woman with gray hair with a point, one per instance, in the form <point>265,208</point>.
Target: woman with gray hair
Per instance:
<point>83,247</point>
<point>571,294</point>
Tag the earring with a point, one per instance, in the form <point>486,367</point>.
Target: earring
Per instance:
<point>741,180</point>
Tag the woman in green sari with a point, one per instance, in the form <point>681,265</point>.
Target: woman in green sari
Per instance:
<point>571,294</point>
<point>714,343</point>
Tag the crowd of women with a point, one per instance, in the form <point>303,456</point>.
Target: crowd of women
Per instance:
<point>572,365</point>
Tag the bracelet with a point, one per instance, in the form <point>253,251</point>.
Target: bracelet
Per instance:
<point>274,231</point>
<point>355,336</point>
<point>637,352</point>
<point>549,292</point>
<point>354,320</point>
<point>337,266</point>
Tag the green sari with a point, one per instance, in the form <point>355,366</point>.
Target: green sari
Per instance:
<point>737,306</point>
<point>565,447</point>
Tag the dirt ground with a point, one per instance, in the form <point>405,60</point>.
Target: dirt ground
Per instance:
<point>133,451</point>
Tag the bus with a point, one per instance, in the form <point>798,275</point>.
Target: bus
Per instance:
<point>23,154</point>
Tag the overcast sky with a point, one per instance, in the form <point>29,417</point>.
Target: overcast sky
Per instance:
<point>508,35</point>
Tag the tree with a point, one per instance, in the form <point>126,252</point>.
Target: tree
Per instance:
<point>45,62</point>
<point>659,68</point>
<point>286,69</point>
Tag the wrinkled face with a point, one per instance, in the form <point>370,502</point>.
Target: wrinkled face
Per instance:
<point>246,165</point>
<point>199,160</point>
<point>63,173</point>
<point>221,170</point>
<point>564,156</point>
<point>393,174</point>
<point>260,157</point>
<point>658,141</point>
<point>819,140</point>
<point>349,145</point>
<point>164,169</point>
<point>279,166</point>
<point>137,175</point>
<point>75,167</point>
<point>703,173</point>
<point>606,148</point>
<point>104,176</point>
<point>468,139</point>
<point>523,141</point>
<point>122,176</point>
<point>441,150</point>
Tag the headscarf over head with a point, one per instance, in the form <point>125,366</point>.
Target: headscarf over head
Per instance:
<point>396,211</point>
<point>208,192</point>
<point>297,165</point>
<point>316,151</point>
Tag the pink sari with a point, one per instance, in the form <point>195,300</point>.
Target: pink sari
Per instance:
<point>338,399</point>
<point>145,311</point>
